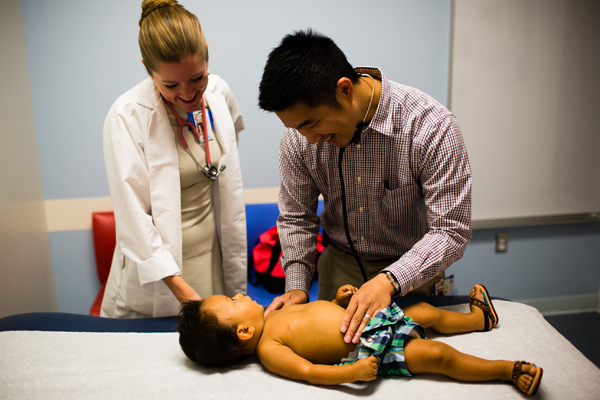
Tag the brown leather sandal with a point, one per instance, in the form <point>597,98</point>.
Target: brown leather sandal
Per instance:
<point>488,309</point>
<point>518,372</point>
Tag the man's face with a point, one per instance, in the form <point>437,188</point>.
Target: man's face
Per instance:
<point>320,124</point>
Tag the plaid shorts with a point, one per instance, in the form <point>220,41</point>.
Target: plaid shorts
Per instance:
<point>384,338</point>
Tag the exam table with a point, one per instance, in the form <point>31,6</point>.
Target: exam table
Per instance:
<point>71,356</point>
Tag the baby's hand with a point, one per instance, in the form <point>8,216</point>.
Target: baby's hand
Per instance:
<point>366,369</point>
<point>344,294</point>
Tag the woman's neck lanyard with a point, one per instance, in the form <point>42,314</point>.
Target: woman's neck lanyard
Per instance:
<point>210,171</point>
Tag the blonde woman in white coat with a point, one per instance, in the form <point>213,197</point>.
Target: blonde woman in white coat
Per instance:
<point>180,236</point>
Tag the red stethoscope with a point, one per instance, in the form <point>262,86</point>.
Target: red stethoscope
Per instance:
<point>210,171</point>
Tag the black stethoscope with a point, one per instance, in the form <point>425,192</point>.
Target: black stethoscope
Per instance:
<point>355,138</point>
<point>210,171</point>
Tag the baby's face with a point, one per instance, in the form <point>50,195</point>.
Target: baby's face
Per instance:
<point>238,310</point>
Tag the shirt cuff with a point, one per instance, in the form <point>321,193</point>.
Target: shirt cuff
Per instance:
<point>394,282</point>
<point>406,280</point>
<point>297,277</point>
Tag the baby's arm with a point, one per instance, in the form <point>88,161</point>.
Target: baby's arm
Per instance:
<point>343,295</point>
<point>282,360</point>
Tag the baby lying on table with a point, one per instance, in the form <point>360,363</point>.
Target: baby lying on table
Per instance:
<point>304,341</point>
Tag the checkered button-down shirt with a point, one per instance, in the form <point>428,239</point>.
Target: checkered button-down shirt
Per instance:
<point>408,191</point>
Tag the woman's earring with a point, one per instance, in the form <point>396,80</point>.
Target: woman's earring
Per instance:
<point>154,86</point>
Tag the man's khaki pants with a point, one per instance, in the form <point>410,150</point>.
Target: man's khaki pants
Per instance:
<point>337,268</point>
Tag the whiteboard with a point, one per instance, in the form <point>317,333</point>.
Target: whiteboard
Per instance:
<point>525,88</point>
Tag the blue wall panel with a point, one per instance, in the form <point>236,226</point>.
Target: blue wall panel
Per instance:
<point>74,270</point>
<point>542,261</point>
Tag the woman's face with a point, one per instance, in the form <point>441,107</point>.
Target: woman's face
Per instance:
<point>183,83</point>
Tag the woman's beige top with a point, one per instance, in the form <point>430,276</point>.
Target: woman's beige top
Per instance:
<point>202,261</point>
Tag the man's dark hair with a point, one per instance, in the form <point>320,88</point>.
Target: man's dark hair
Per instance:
<point>205,340</point>
<point>304,68</point>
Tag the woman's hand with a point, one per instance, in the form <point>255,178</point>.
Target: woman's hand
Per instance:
<point>181,290</point>
<point>343,295</point>
<point>366,369</point>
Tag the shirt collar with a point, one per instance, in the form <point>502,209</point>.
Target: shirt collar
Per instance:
<point>381,114</point>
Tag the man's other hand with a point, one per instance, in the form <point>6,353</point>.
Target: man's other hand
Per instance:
<point>295,296</point>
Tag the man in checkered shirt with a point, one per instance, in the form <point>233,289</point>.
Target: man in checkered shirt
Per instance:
<point>391,165</point>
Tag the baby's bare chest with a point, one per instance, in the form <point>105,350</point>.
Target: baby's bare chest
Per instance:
<point>313,333</point>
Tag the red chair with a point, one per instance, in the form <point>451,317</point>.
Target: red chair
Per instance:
<point>105,240</point>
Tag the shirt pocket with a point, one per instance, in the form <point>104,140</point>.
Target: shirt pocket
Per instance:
<point>401,205</point>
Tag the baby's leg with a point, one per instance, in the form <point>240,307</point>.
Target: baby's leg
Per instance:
<point>448,322</point>
<point>429,356</point>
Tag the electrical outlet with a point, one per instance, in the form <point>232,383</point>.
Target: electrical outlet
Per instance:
<point>501,242</point>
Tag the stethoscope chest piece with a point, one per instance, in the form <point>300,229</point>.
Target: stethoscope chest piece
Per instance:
<point>209,170</point>
<point>212,172</point>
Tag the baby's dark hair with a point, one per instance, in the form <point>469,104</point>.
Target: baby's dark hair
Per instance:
<point>204,339</point>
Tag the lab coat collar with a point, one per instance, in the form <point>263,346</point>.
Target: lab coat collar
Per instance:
<point>150,98</point>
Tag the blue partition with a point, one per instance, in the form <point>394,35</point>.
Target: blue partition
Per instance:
<point>259,218</point>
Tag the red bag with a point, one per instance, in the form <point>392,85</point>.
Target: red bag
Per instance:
<point>265,267</point>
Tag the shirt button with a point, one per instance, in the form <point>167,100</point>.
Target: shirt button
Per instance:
<point>369,339</point>
<point>362,238</point>
<point>358,146</point>
<point>358,179</point>
<point>360,209</point>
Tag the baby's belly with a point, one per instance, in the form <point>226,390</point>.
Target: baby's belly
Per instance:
<point>311,330</point>
<point>330,355</point>
<point>323,342</point>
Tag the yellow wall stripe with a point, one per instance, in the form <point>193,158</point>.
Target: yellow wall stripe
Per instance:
<point>76,214</point>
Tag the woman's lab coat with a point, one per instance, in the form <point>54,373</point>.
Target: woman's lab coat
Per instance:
<point>143,173</point>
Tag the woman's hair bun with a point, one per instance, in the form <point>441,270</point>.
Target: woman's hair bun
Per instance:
<point>148,6</point>
<point>168,32</point>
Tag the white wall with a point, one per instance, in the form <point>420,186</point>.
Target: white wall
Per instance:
<point>26,278</point>
<point>81,54</point>
<point>525,88</point>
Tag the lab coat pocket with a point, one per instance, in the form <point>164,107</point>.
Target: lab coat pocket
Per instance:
<point>138,297</point>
